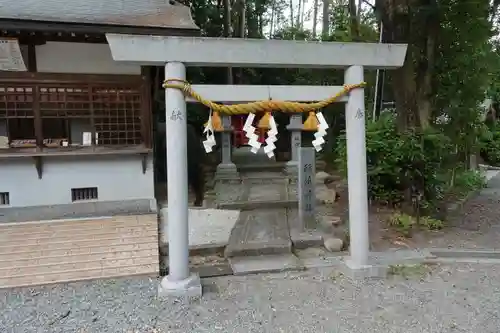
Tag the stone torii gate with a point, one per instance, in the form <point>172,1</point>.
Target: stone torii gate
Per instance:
<point>175,53</point>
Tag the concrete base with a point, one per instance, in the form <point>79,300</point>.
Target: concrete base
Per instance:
<point>361,272</point>
<point>306,239</point>
<point>189,288</point>
<point>227,171</point>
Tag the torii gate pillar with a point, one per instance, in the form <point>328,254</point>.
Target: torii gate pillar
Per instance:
<point>178,282</point>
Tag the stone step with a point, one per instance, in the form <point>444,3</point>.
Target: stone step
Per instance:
<point>264,167</point>
<point>259,232</point>
<point>258,204</point>
<point>265,264</point>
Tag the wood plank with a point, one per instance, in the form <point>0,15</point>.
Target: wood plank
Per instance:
<point>33,280</point>
<point>70,244</point>
<point>76,234</point>
<point>73,250</point>
<point>20,255</point>
<point>75,258</point>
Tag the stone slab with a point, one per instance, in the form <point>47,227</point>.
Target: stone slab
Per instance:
<point>270,192</point>
<point>206,271</point>
<point>318,262</point>
<point>230,191</point>
<point>400,256</point>
<point>207,227</point>
<point>305,239</point>
<point>265,264</point>
<point>245,205</point>
<point>465,253</point>
<point>257,232</point>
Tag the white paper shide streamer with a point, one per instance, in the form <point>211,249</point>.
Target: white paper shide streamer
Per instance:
<point>253,139</point>
<point>318,136</point>
<point>209,142</point>
<point>271,138</point>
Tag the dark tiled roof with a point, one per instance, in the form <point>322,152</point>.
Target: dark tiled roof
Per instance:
<point>137,13</point>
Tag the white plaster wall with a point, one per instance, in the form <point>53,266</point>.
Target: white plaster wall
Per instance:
<point>116,177</point>
<point>81,58</point>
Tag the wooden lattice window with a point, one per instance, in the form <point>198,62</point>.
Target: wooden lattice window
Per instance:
<point>53,110</point>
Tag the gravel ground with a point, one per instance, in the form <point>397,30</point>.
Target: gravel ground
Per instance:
<point>475,226</point>
<point>457,298</point>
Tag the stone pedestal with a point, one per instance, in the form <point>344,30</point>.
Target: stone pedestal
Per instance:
<point>226,169</point>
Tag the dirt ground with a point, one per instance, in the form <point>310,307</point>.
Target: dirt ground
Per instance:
<point>476,225</point>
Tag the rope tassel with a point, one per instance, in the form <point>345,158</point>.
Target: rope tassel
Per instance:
<point>311,123</point>
<point>264,122</point>
<point>215,122</point>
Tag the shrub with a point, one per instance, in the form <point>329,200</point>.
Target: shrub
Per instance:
<point>404,164</point>
<point>490,144</point>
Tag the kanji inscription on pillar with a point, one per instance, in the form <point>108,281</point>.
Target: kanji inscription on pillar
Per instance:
<point>307,196</point>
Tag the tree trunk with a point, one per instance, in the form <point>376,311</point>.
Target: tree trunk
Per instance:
<point>412,83</point>
<point>326,19</point>
<point>315,18</point>
<point>242,31</point>
<point>227,33</point>
<point>297,25</point>
<point>353,20</point>
<point>273,13</point>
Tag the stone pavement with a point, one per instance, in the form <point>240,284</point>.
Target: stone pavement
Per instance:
<point>269,218</point>
<point>458,298</point>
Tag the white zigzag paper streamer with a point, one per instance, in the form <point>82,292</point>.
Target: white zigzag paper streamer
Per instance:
<point>210,142</point>
<point>271,138</point>
<point>253,139</point>
<point>322,127</point>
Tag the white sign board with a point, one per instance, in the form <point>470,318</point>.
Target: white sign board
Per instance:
<point>11,58</point>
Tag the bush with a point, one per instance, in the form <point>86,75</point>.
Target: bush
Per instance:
<point>467,181</point>
<point>490,144</point>
<point>402,166</point>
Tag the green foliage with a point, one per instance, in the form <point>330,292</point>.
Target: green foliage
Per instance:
<point>467,181</point>
<point>402,222</point>
<point>431,223</point>
<point>490,144</point>
<point>394,159</point>
<point>405,223</point>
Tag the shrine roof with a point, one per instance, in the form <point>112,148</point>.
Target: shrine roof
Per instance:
<point>147,14</point>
